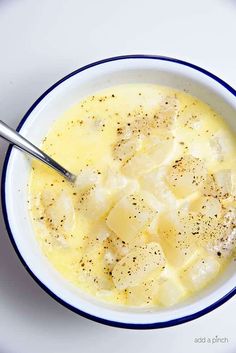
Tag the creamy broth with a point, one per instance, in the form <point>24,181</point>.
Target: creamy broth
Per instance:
<point>151,220</point>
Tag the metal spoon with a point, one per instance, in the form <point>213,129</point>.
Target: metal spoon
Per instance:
<point>23,144</point>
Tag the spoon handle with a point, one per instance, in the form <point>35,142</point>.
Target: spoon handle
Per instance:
<point>20,142</point>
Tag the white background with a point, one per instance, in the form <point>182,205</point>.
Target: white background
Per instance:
<point>41,41</point>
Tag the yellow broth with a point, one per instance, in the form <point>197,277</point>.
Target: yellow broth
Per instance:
<point>151,219</point>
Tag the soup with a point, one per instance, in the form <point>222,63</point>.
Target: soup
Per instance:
<point>151,218</point>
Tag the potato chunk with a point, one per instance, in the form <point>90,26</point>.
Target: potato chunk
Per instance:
<point>220,145</point>
<point>161,118</point>
<point>167,112</point>
<point>224,182</point>
<point>134,267</point>
<point>138,165</point>
<point>130,216</point>
<point>86,178</point>
<point>177,238</point>
<point>95,270</point>
<point>156,150</point>
<point>219,184</point>
<point>145,293</point>
<point>201,272</point>
<point>100,231</point>
<point>114,181</point>
<point>208,206</point>
<point>186,175</point>
<point>159,147</point>
<point>183,232</point>
<point>140,295</point>
<point>171,291</point>
<point>59,210</point>
<point>224,243</point>
<point>94,202</point>
<point>212,229</point>
<point>124,149</point>
<point>154,182</point>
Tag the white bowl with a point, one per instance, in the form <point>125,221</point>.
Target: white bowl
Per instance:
<point>36,123</point>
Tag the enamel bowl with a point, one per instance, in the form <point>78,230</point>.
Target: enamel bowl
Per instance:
<point>35,125</point>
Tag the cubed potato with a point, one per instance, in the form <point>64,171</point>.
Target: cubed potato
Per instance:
<point>171,291</point>
<point>94,202</point>
<point>117,246</point>
<point>224,182</point>
<point>132,187</point>
<point>124,149</point>
<point>221,145</point>
<point>186,175</point>
<point>189,120</point>
<point>155,183</point>
<point>59,211</point>
<point>138,165</point>
<point>218,184</point>
<point>201,272</point>
<point>157,149</point>
<point>167,112</point>
<point>130,216</point>
<point>50,238</point>
<point>132,269</point>
<point>114,181</point>
<point>224,242</point>
<point>93,269</point>
<point>179,255</point>
<point>178,243</point>
<point>199,148</point>
<point>200,224</point>
<point>139,295</point>
<point>86,178</point>
<point>208,206</point>
<point>100,231</point>
<point>199,228</point>
<point>162,118</point>
<point>118,185</point>
<point>96,235</point>
<point>137,242</point>
<point>224,247</point>
<point>144,293</point>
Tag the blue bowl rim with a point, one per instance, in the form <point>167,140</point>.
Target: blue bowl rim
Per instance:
<point>135,326</point>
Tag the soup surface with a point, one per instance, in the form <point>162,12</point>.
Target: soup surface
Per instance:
<point>152,217</point>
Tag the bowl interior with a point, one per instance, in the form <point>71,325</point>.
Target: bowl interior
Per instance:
<point>36,125</point>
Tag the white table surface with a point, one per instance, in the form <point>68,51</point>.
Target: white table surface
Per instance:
<point>41,41</point>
